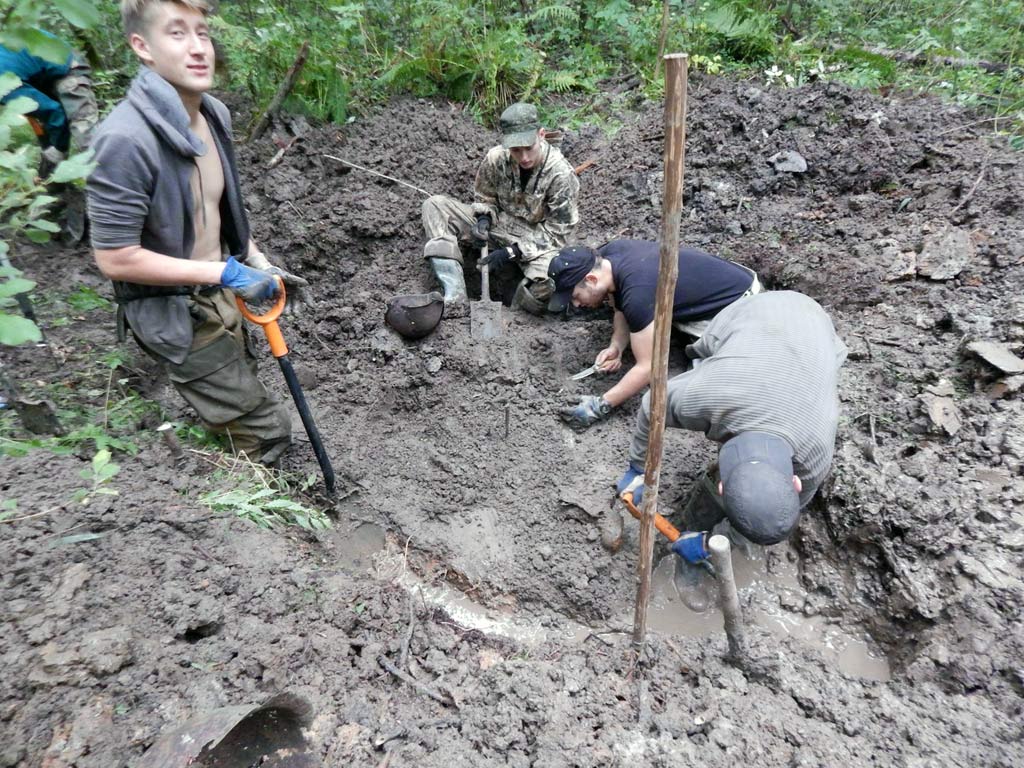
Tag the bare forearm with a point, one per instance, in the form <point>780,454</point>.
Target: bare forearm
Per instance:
<point>138,265</point>
<point>635,381</point>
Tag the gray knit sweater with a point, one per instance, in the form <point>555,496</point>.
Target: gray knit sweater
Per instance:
<point>769,363</point>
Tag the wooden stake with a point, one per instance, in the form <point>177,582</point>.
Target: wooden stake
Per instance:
<point>282,93</point>
<point>676,66</point>
<point>729,601</point>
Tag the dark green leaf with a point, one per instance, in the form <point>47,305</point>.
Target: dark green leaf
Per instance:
<point>80,13</point>
<point>16,330</point>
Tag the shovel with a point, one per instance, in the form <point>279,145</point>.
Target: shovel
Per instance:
<point>280,350</point>
<point>485,319</point>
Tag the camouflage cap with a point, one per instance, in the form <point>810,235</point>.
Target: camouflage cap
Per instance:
<point>519,126</point>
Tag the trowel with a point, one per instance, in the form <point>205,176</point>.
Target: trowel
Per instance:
<point>486,320</point>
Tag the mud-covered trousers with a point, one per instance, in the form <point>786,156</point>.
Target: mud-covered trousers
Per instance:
<point>219,380</point>
<point>445,218</point>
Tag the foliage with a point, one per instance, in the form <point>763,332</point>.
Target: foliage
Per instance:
<point>266,507</point>
<point>23,21</point>
<point>24,200</point>
<point>100,472</point>
<point>85,299</point>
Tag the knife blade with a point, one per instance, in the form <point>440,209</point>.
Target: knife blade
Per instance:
<point>585,373</point>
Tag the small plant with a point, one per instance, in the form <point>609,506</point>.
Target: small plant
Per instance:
<point>85,299</point>
<point>99,474</point>
<point>266,507</point>
<point>8,509</point>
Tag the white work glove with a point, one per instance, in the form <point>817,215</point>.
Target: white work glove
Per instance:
<point>295,286</point>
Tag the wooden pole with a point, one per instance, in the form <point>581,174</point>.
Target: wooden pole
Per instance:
<point>676,65</point>
<point>282,93</point>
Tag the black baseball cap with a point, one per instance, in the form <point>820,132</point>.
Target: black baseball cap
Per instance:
<point>757,486</point>
<point>567,269</point>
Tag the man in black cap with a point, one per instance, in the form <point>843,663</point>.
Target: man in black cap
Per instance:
<point>625,272</point>
<point>525,209</point>
<point>763,385</point>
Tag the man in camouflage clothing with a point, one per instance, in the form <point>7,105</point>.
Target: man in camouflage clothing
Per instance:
<point>65,116</point>
<point>524,209</point>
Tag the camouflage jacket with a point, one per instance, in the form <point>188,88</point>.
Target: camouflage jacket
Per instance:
<point>540,217</point>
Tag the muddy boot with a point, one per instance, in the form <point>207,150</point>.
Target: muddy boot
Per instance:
<point>449,274</point>
<point>694,585</point>
<point>532,296</point>
<point>611,528</point>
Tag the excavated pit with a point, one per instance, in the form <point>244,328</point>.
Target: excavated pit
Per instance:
<point>892,620</point>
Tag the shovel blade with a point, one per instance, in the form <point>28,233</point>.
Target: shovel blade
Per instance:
<point>485,319</point>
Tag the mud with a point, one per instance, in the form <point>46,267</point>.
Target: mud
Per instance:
<point>906,225</point>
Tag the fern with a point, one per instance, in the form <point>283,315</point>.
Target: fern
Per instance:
<point>562,81</point>
<point>748,34</point>
<point>556,12</point>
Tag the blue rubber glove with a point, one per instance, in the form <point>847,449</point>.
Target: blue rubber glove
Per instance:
<point>588,410</point>
<point>632,482</point>
<point>252,285</point>
<point>692,546</point>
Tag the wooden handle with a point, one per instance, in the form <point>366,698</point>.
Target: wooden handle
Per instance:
<point>665,528</point>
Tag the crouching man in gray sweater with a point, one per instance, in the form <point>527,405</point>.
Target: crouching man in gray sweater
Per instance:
<point>169,229</point>
<point>764,386</point>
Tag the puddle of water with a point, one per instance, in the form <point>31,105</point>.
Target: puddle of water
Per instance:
<point>668,614</point>
<point>357,550</point>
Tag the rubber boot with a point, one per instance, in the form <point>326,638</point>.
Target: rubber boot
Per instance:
<point>525,300</point>
<point>694,585</point>
<point>453,282</point>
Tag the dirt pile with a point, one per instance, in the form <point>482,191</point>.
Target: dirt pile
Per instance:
<point>905,224</point>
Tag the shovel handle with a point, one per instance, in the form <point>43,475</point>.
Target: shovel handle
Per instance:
<point>665,528</point>
<point>268,320</point>
<point>485,276</point>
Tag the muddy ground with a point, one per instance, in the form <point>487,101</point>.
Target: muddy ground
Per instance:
<point>456,476</point>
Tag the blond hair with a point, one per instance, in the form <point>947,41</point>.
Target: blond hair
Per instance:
<point>135,13</point>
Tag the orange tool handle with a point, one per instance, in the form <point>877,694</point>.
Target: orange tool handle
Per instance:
<point>665,528</point>
<point>37,127</point>
<point>269,321</point>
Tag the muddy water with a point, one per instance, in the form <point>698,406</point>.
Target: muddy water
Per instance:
<point>363,550</point>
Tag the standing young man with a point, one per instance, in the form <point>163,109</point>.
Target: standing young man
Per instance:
<point>169,229</point>
<point>525,208</point>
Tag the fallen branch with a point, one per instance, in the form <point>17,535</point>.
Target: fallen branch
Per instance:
<point>276,159</point>
<point>970,193</point>
<point>403,657</point>
<point>378,173</point>
<point>584,165</point>
<point>282,93</point>
<point>424,689</point>
<point>908,57</point>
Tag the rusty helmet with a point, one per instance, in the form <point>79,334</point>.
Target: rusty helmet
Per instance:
<point>415,315</point>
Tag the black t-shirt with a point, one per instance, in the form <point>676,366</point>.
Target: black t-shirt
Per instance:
<point>706,283</point>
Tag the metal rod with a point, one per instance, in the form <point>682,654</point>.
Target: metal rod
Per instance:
<point>676,66</point>
<point>378,173</point>
<point>307,422</point>
<point>721,558</point>
<point>170,439</point>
